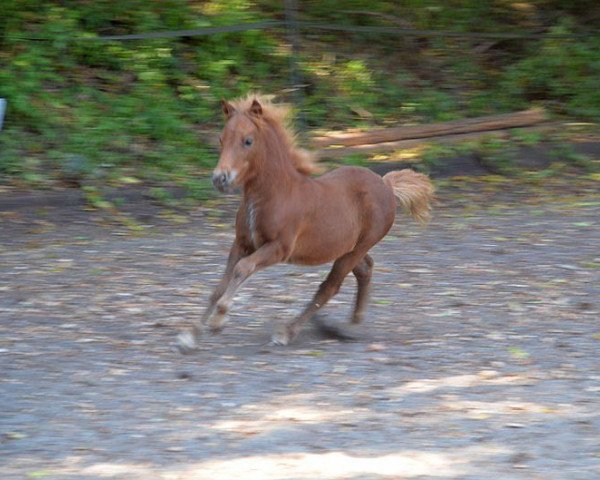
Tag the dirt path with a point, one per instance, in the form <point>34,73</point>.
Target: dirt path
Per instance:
<point>480,358</point>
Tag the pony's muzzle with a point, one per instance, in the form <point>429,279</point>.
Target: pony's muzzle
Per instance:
<point>223,181</point>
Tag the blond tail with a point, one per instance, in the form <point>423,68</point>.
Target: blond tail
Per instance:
<point>413,190</point>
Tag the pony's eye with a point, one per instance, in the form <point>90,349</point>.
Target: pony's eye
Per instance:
<point>248,141</point>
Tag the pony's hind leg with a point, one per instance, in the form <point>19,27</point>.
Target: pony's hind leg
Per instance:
<point>362,272</point>
<point>341,267</point>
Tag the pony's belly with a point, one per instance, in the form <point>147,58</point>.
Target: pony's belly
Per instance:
<point>311,252</point>
<point>309,261</point>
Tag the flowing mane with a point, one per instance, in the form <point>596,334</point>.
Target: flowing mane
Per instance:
<point>279,116</point>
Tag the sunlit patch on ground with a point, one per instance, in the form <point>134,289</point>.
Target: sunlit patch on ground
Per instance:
<point>327,466</point>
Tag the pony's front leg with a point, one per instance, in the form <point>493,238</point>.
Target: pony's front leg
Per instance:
<point>269,254</point>
<point>210,317</point>
<point>188,341</point>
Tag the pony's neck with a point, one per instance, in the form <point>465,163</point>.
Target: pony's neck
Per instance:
<point>275,171</point>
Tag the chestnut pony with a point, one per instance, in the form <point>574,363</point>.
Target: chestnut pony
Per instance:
<point>286,215</point>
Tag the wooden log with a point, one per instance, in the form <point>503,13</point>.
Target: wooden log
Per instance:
<point>333,153</point>
<point>481,124</point>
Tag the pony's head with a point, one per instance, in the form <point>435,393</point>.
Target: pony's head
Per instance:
<point>255,126</point>
<point>239,144</point>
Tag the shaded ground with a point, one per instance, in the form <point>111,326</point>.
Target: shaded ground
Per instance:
<point>480,357</point>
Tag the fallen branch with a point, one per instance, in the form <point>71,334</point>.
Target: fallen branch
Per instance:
<point>481,124</point>
<point>333,153</point>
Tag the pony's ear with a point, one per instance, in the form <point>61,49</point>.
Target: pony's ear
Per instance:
<point>255,108</point>
<point>228,109</point>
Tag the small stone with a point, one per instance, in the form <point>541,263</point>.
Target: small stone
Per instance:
<point>487,374</point>
<point>174,449</point>
<point>376,347</point>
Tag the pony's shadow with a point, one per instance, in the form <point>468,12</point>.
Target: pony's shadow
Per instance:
<point>330,328</point>
<point>323,327</point>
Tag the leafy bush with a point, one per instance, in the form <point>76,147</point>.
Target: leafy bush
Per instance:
<point>117,103</point>
<point>78,107</point>
<point>562,71</point>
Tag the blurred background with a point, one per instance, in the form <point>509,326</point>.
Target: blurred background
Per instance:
<point>130,89</point>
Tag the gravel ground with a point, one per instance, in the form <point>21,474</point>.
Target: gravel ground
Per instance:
<point>478,358</point>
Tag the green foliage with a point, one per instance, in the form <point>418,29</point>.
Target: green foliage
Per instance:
<point>96,200</point>
<point>497,155</point>
<point>79,107</point>
<point>433,153</point>
<point>527,138</point>
<point>565,152</point>
<point>200,189</point>
<point>357,160</point>
<point>161,195</point>
<point>114,103</point>
<point>561,71</point>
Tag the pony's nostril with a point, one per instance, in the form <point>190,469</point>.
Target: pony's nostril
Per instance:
<point>220,180</point>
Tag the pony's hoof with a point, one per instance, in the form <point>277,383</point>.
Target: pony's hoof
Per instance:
<point>215,329</point>
<point>216,323</point>
<point>281,336</point>
<point>186,343</point>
